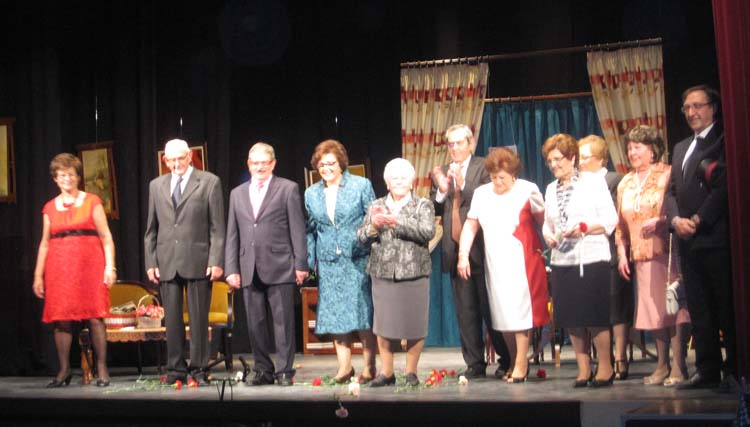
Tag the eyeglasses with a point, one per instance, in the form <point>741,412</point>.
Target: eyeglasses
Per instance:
<point>62,176</point>
<point>695,106</point>
<point>554,160</point>
<point>175,159</point>
<point>321,165</point>
<point>261,163</point>
<point>454,143</point>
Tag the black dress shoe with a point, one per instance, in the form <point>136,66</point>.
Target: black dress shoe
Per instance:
<point>475,372</point>
<point>101,382</point>
<point>501,372</point>
<point>412,380</point>
<point>285,380</point>
<point>382,381</point>
<point>345,379</point>
<point>261,378</point>
<point>699,380</point>
<point>55,383</point>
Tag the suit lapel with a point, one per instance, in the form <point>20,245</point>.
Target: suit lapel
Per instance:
<point>192,185</point>
<point>272,189</point>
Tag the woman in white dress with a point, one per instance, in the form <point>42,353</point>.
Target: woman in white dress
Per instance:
<point>509,211</point>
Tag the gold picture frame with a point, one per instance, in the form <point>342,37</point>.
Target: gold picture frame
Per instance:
<point>7,161</point>
<point>312,176</point>
<point>199,159</point>
<point>99,175</point>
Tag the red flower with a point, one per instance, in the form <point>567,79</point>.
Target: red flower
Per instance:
<point>178,385</point>
<point>163,379</point>
<point>452,373</point>
<point>443,373</point>
<point>541,373</point>
<point>192,383</point>
<point>583,227</point>
<point>317,382</point>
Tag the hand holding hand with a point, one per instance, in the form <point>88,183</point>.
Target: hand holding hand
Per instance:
<point>234,280</point>
<point>214,272</point>
<point>684,227</point>
<point>551,241</point>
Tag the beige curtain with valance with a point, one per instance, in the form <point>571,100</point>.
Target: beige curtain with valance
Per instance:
<point>628,89</point>
<point>433,99</point>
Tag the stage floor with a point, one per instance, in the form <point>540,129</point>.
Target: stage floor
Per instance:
<point>134,400</point>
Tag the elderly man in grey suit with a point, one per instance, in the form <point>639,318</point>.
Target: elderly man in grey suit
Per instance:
<point>266,254</point>
<point>184,245</point>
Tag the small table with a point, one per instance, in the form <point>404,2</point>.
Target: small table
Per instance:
<point>139,335</point>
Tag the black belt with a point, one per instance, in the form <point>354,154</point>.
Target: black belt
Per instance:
<point>74,233</point>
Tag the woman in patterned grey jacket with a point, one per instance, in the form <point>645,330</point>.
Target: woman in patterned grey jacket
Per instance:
<point>398,229</point>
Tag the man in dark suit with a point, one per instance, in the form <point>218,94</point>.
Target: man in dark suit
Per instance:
<point>184,245</point>
<point>698,211</point>
<point>465,173</point>
<point>266,254</point>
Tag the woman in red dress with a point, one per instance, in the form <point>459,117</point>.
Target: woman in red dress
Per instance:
<point>75,266</point>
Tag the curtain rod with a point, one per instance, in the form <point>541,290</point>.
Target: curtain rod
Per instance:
<point>538,97</point>
<point>533,53</point>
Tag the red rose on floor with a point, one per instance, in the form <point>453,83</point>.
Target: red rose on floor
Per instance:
<point>178,385</point>
<point>443,372</point>
<point>163,379</point>
<point>452,373</point>
<point>192,383</point>
<point>541,373</point>
<point>317,382</point>
<point>583,227</point>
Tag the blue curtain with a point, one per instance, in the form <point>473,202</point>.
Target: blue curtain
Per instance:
<point>442,329</point>
<point>527,124</point>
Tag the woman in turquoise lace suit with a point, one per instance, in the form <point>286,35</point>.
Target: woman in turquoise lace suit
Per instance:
<point>335,207</point>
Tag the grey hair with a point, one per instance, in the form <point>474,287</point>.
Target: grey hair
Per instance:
<point>467,134</point>
<point>262,146</point>
<point>399,165</point>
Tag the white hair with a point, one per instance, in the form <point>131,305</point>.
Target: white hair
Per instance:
<point>176,147</point>
<point>399,165</point>
<point>466,133</point>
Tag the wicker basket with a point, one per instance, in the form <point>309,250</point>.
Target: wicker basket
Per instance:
<point>122,316</point>
<point>145,322</point>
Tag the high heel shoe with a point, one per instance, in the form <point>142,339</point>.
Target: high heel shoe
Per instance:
<point>102,382</point>
<point>620,373</point>
<point>584,383</point>
<point>514,380</point>
<point>603,383</point>
<point>55,383</point>
<point>382,380</point>
<point>656,379</point>
<point>364,379</point>
<point>345,378</point>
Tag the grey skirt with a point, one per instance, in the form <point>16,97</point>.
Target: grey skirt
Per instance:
<point>401,308</point>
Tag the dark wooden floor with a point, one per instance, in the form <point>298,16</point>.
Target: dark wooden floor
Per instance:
<point>134,400</point>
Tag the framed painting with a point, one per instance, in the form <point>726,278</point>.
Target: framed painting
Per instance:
<point>312,176</point>
<point>99,175</point>
<point>7,161</point>
<point>199,159</point>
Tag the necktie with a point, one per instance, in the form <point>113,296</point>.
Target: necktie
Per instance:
<point>257,198</point>
<point>177,193</point>
<point>455,217</point>
<point>693,156</point>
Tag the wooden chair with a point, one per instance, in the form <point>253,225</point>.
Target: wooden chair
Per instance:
<point>220,316</point>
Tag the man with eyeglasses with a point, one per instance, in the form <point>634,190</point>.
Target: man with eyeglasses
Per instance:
<point>452,191</point>
<point>266,255</point>
<point>184,250</point>
<point>698,211</point>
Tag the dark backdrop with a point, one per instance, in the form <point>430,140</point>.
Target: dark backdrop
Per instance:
<point>289,73</point>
